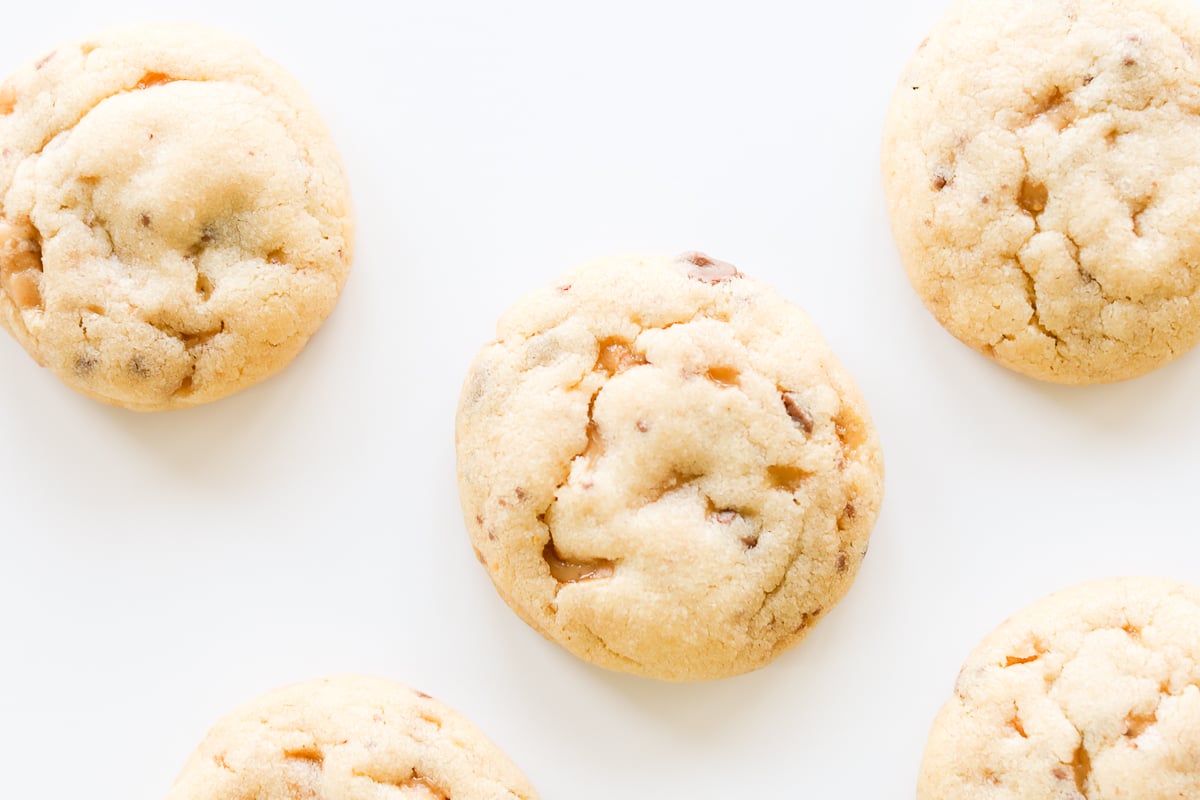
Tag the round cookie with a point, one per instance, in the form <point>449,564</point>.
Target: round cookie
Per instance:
<point>174,219</point>
<point>1041,162</point>
<point>1090,693</point>
<point>665,469</point>
<point>348,738</point>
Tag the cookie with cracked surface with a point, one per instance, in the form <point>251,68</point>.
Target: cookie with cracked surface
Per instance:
<point>665,469</point>
<point>1039,162</point>
<point>348,738</point>
<point>1090,693</point>
<point>174,219</point>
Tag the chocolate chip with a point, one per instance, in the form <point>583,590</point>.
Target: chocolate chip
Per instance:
<point>709,270</point>
<point>843,563</point>
<point>145,220</point>
<point>750,539</point>
<point>137,367</point>
<point>801,417</point>
<point>642,426</point>
<point>520,493</point>
<point>939,182</point>
<point>84,366</point>
<point>849,512</point>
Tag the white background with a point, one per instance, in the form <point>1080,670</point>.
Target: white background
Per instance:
<point>158,570</point>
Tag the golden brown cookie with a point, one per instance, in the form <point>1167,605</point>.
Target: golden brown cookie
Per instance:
<point>1090,694</point>
<point>174,219</point>
<point>665,469</point>
<point>348,738</point>
<point>1039,161</point>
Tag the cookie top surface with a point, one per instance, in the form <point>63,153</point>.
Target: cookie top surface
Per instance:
<point>348,738</point>
<point>665,469</point>
<point>1039,161</point>
<point>1091,693</point>
<point>174,219</point>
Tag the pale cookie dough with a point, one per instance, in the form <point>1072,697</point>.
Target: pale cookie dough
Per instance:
<point>1041,162</point>
<point>348,738</point>
<point>174,219</point>
<point>665,469</point>
<point>1090,694</point>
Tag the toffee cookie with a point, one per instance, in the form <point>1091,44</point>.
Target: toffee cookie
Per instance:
<point>348,738</point>
<point>665,469</point>
<point>1040,162</point>
<point>1090,693</point>
<point>174,219</point>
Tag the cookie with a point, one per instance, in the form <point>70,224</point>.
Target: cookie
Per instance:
<point>1039,161</point>
<point>665,469</point>
<point>1090,693</point>
<point>174,219</point>
<point>348,738</point>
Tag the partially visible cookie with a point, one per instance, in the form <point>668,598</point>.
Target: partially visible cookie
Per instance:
<point>1090,693</point>
<point>665,469</point>
<point>348,738</point>
<point>1040,166</point>
<point>174,219</point>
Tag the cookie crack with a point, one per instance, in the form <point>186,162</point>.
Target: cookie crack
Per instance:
<point>564,570</point>
<point>191,340</point>
<point>1035,318</point>
<point>608,648</point>
<point>1081,764</point>
<point>137,87</point>
<point>1032,197</point>
<point>415,781</point>
<point>794,553</point>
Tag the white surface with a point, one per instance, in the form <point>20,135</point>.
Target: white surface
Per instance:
<point>158,570</point>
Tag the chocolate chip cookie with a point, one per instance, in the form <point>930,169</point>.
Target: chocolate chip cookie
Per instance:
<point>174,219</point>
<point>1090,693</point>
<point>665,469</point>
<point>1039,161</point>
<point>348,738</point>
